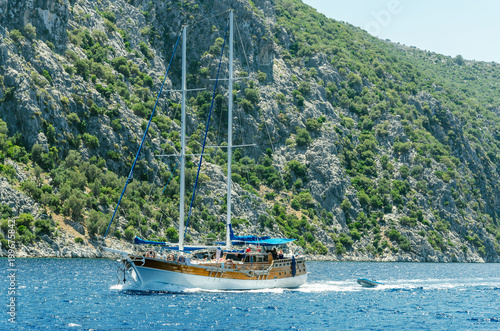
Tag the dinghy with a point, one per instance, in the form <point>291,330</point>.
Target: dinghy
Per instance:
<point>365,282</point>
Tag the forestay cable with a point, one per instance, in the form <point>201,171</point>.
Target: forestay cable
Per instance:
<point>206,131</point>
<point>131,174</point>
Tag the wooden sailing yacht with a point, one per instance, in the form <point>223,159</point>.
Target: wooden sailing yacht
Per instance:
<point>215,267</point>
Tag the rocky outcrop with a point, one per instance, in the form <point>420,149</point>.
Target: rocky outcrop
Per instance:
<point>64,246</point>
<point>51,100</point>
<point>16,200</point>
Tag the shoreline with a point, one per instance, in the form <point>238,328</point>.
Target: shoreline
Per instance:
<point>391,259</point>
<point>64,247</point>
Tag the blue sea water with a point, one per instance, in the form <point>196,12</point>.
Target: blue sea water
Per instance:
<point>78,294</point>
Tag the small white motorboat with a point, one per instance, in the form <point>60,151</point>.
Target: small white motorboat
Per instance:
<point>365,282</point>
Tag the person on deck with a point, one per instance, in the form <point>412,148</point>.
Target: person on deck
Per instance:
<point>280,255</point>
<point>274,253</point>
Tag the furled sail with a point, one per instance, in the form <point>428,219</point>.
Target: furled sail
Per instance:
<point>140,241</point>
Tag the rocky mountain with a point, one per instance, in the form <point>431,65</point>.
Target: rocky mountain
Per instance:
<point>364,149</point>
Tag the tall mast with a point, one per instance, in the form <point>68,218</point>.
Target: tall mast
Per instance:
<point>183,143</point>
<point>229,129</point>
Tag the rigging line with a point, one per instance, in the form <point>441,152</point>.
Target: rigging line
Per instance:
<point>149,195</point>
<point>207,18</point>
<point>156,172</point>
<point>154,177</point>
<point>171,175</point>
<point>131,174</point>
<point>241,114</point>
<point>151,188</point>
<point>206,131</point>
<point>242,46</point>
<point>272,148</point>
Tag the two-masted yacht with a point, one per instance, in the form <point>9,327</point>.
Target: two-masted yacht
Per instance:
<point>257,265</point>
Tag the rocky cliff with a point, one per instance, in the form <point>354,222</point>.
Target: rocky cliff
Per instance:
<point>361,152</point>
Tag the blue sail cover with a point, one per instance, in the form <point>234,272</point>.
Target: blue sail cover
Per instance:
<point>140,241</point>
<point>254,240</point>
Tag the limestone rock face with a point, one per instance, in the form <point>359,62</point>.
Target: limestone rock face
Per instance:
<point>18,201</point>
<point>46,100</point>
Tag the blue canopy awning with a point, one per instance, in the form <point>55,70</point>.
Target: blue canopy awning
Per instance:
<point>254,240</point>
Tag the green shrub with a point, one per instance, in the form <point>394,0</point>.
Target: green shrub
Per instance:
<point>74,205</point>
<point>47,76</point>
<point>436,241</point>
<point>261,76</point>
<point>4,225</point>
<point>82,67</point>
<point>246,105</point>
<point>404,171</point>
<point>32,189</point>
<point>109,15</point>
<point>27,237</point>
<point>252,95</point>
<point>303,200</point>
<point>345,240</point>
<point>73,119</point>
<point>96,223</point>
<point>145,50</point>
<point>320,248</point>
<point>298,168</point>
<point>25,220</point>
<point>300,100</point>
<point>216,48</point>
<point>114,155</point>
<point>346,205</point>
<point>43,227</point>
<point>407,221</point>
<point>115,124</point>
<point>148,81</point>
<point>355,234</point>
<point>30,31</point>
<point>313,125</point>
<point>393,234</point>
<point>304,87</point>
<point>339,248</point>
<point>303,138</point>
<point>172,235</point>
<point>6,211</point>
<point>402,241</point>
<point>90,140</point>
<point>16,35</point>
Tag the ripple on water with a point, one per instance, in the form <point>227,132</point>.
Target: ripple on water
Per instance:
<point>80,294</point>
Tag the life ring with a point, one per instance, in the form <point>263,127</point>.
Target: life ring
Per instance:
<point>181,259</point>
<point>170,257</point>
<point>151,254</point>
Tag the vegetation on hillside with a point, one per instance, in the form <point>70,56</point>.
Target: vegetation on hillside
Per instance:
<point>410,124</point>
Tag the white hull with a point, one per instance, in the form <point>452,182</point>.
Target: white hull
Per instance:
<point>156,279</point>
<point>368,282</point>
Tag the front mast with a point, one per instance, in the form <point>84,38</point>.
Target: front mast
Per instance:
<point>229,130</point>
<point>183,143</point>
